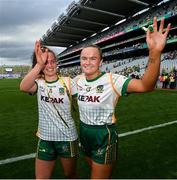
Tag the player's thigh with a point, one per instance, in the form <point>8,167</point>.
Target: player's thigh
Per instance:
<point>69,166</point>
<point>101,171</point>
<point>43,168</point>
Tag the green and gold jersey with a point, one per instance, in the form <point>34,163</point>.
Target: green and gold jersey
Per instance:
<point>55,120</point>
<point>97,98</point>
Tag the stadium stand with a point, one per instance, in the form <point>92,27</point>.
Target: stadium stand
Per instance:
<point>16,71</point>
<point>116,26</point>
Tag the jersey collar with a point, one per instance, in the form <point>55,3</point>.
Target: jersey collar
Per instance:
<point>91,80</point>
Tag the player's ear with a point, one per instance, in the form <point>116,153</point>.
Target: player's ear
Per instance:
<point>101,62</point>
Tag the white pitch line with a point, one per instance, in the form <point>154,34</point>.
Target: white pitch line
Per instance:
<point>147,128</point>
<point>33,155</point>
<point>19,158</point>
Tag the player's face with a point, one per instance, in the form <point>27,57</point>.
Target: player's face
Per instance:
<point>90,61</point>
<point>50,68</point>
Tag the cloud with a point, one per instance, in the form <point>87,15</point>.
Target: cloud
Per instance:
<point>24,22</point>
<point>20,12</point>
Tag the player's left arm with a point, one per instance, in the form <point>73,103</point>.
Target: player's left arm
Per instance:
<point>156,41</point>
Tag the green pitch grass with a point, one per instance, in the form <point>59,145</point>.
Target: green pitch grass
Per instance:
<point>150,154</point>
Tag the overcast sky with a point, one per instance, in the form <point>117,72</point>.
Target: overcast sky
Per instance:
<point>22,22</point>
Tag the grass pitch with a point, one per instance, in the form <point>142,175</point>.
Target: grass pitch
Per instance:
<point>150,154</point>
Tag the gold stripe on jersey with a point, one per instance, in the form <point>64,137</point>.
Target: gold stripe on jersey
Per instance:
<point>113,86</point>
<point>116,100</point>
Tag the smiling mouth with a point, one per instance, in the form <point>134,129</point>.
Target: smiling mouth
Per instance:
<point>50,70</point>
<point>87,67</point>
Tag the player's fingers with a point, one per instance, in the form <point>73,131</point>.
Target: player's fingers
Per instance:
<point>161,25</point>
<point>155,24</point>
<point>167,30</point>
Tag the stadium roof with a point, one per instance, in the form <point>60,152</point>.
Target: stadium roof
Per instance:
<point>86,17</point>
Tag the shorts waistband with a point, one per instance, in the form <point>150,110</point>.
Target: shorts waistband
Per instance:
<point>97,126</point>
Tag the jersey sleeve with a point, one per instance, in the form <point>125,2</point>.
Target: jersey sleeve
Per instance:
<point>120,82</point>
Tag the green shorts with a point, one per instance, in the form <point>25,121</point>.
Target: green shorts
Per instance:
<point>50,150</point>
<point>100,143</point>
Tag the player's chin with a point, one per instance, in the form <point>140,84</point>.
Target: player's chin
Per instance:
<point>90,73</point>
<point>51,73</point>
<point>87,70</point>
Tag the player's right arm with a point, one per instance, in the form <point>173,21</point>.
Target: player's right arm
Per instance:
<point>28,83</point>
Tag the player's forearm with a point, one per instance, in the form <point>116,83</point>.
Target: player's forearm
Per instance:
<point>29,80</point>
<point>152,72</point>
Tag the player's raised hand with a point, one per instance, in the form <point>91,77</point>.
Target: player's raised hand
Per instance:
<point>156,39</point>
<point>41,53</point>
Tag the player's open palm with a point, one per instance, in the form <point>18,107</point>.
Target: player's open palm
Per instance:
<point>156,39</point>
<point>41,55</point>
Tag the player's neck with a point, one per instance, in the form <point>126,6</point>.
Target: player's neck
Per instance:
<point>92,76</point>
<point>51,78</point>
